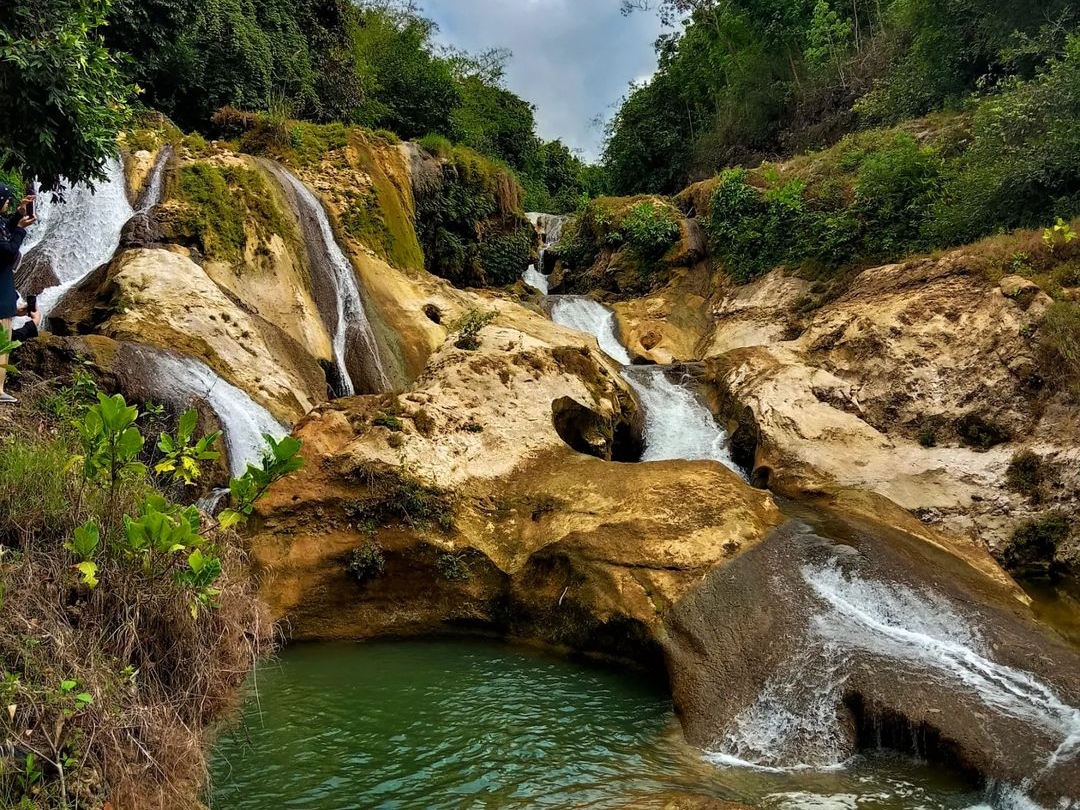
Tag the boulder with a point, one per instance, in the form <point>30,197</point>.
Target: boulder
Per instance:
<point>806,649</point>
<point>486,518</point>
<point>163,299</point>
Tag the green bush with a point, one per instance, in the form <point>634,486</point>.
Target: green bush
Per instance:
<point>396,496</point>
<point>468,328</point>
<point>366,563</point>
<point>1032,549</point>
<point>437,145</point>
<point>651,229</point>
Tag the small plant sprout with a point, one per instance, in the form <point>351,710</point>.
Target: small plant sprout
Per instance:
<point>1059,234</point>
<point>182,454</point>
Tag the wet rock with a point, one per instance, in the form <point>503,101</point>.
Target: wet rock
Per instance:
<point>795,653</point>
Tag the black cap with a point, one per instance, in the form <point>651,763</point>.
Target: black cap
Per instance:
<point>7,193</point>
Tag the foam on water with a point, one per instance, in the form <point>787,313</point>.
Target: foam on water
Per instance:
<point>81,233</point>
<point>535,279</point>
<point>352,319</point>
<point>591,317</point>
<point>678,425</point>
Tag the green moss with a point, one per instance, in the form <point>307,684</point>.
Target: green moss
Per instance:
<point>388,421</point>
<point>219,201</point>
<point>377,216</point>
<point>142,140</point>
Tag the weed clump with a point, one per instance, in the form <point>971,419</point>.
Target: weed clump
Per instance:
<point>468,329</point>
<point>394,496</point>
<point>1026,474</point>
<point>454,566</point>
<point>979,432</point>
<point>1033,547</point>
<point>366,563</point>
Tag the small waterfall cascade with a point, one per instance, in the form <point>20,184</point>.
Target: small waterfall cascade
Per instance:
<point>794,722</point>
<point>184,379</point>
<point>550,227</point>
<point>155,183</point>
<point>79,234</point>
<point>677,423</point>
<point>356,351</point>
<point>592,318</point>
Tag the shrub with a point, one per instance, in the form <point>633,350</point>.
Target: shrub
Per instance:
<point>388,136</point>
<point>1059,341</point>
<point>927,436</point>
<point>366,563</point>
<point>454,566</point>
<point>1032,549</point>
<point>468,328</point>
<point>976,431</point>
<point>651,229</point>
<point>1026,473</point>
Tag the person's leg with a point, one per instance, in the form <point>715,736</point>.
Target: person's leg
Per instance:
<point>3,357</point>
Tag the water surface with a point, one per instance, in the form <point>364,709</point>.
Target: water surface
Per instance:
<point>477,725</point>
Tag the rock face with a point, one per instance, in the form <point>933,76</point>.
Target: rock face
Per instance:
<point>804,650</point>
<point>485,518</point>
<point>164,299</point>
<point>900,387</point>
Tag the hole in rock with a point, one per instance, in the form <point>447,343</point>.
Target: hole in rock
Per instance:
<point>879,728</point>
<point>433,313</point>
<point>589,432</point>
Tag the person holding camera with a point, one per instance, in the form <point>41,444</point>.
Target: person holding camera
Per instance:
<point>13,225</point>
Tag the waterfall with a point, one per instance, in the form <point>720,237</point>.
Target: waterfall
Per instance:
<point>356,351</point>
<point>79,234</point>
<point>677,423</point>
<point>182,380</point>
<point>794,721</point>
<point>586,315</point>
<point>155,183</point>
<point>550,227</point>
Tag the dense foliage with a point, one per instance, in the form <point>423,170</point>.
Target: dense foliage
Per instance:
<point>64,94</point>
<point>746,79</point>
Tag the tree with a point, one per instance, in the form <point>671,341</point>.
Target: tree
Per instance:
<point>65,94</point>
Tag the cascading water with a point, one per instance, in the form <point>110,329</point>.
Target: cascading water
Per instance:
<point>677,423</point>
<point>586,315</point>
<point>550,227</point>
<point>78,234</point>
<point>356,351</point>
<point>181,379</point>
<point>794,722</point>
<point>155,183</point>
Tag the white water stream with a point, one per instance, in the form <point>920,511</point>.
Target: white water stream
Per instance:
<point>186,379</point>
<point>794,723</point>
<point>678,425</point>
<point>353,325</point>
<point>550,227</point>
<point>81,233</point>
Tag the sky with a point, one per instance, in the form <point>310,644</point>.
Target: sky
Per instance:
<point>573,59</point>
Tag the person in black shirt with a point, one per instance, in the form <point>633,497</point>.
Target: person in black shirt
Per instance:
<point>13,225</point>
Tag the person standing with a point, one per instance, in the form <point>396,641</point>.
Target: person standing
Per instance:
<point>13,227</point>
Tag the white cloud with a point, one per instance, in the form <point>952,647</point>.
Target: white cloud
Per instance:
<point>573,59</point>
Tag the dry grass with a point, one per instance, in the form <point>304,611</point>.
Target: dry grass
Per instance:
<point>109,692</point>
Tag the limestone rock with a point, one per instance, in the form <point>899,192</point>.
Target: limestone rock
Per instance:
<point>164,299</point>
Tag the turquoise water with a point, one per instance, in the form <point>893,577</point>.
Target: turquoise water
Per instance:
<point>474,725</point>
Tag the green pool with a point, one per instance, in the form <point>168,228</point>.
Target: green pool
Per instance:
<point>471,724</point>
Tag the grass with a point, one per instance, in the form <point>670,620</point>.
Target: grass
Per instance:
<point>1026,474</point>
<point>395,496</point>
<point>221,202</point>
<point>112,690</point>
<point>1059,342</point>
